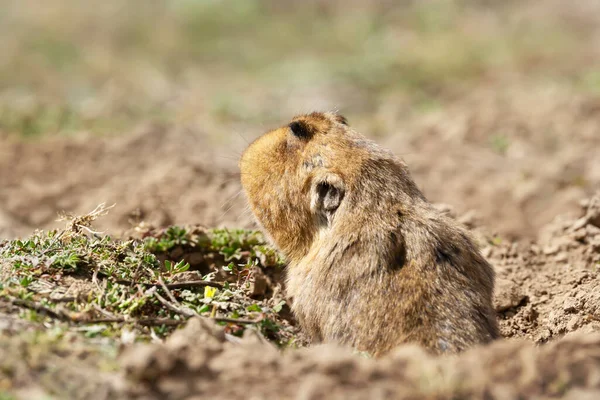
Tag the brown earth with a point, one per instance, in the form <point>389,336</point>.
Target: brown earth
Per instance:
<point>157,175</point>
<point>548,288</point>
<point>197,362</point>
<point>513,165</point>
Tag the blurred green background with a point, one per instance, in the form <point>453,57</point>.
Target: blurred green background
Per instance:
<point>223,65</point>
<point>494,105</point>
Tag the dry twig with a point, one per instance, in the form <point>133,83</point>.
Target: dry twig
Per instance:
<point>172,286</point>
<point>66,317</point>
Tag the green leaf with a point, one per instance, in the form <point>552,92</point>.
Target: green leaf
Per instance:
<point>279,306</point>
<point>181,266</point>
<point>26,281</point>
<point>254,307</point>
<point>204,308</point>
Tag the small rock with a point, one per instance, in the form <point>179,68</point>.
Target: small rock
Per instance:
<point>579,235</point>
<point>551,249</point>
<point>584,204</point>
<point>554,317</point>
<point>187,276</point>
<point>595,220</point>
<point>530,314</point>
<point>561,257</point>
<point>571,304</point>
<point>574,323</point>
<point>507,295</point>
<point>544,335</point>
<point>592,230</point>
<point>580,223</point>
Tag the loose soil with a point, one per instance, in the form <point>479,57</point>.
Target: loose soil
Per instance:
<point>547,296</point>
<point>487,155</point>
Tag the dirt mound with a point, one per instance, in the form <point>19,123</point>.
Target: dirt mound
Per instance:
<point>197,361</point>
<point>159,175</point>
<point>551,287</point>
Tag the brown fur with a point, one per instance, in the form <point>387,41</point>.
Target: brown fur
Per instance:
<point>371,263</point>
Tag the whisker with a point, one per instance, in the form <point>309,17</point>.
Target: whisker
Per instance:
<point>229,158</point>
<point>230,180</point>
<point>412,153</point>
<point>242,136</point>
<point>231,201</point>
<point>233,197</point>
<point>245,212</point>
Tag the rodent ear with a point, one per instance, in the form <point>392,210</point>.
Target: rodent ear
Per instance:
<point>301,129</point>
<point>327,195</point>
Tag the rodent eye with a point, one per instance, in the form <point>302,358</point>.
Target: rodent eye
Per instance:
<point>300,129</point>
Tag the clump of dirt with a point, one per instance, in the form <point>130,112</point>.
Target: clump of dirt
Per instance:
<point>551,287</point>
<point>39,364</point>
<point>198,361</point>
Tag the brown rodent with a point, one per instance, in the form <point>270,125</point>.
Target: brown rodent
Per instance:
<point>371,263</point>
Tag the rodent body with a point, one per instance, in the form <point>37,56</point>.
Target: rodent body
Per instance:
<point>371,263</point>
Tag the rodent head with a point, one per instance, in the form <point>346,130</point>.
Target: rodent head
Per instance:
<point>300,177</point>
